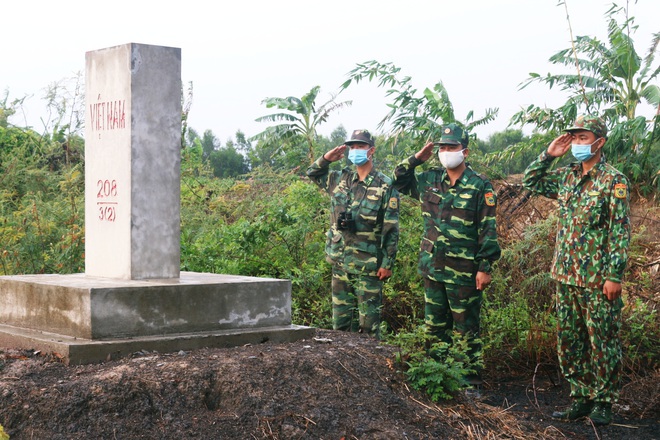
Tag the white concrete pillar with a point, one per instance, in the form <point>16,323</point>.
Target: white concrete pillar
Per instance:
<point>132,162</point>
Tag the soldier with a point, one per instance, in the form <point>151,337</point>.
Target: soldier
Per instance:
<point>459,244</point>
<point>589,261</point>
<point>364,231</point>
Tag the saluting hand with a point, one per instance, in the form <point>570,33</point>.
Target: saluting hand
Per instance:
<point>335,154</point>
<point>560,145</point>
<point>425,153</point>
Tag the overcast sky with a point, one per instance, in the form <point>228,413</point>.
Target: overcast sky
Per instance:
<point>236,53</point>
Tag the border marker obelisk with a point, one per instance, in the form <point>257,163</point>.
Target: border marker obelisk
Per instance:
<point>132,162</point>
<point>132,296</point>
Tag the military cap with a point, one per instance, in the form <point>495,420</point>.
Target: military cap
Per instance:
<point>360,136</point>
<point>453,134</point>
<point>590,123</point>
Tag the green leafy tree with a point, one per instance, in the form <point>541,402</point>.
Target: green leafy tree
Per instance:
<point>298,121</point>
<point>6,110</point>
<point>242,144</point>
<point>609,79</point>
<point>190,136</point>
<point>227,162</point>
<point>417,115</point>
<point>210,143</point>
<point>507,152</point>
<point>272,155</point>
<point>338,136</point>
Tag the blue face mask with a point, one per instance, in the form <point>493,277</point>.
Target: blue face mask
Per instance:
<point>582,152</point>
<point>358,157</point>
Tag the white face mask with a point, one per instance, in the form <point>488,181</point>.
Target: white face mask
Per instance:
<point>451,159</point>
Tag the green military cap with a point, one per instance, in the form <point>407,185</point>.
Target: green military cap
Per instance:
<point>453,134</point>
<point>360,136</point>
<point>590,123</point>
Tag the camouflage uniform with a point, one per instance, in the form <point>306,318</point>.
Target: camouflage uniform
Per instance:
<point>459,239</point>
<point>591,247</point>
<point>357,254</point>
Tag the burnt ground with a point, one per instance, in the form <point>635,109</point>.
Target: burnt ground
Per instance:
<point>334,386</point>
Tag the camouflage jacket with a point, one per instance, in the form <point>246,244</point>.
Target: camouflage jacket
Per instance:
<point>594,229</point>
<point>374,205</point>
<point>460,236</point>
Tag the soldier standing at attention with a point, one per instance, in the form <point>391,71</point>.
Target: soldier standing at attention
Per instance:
<point>459,244</point>
<point>364,232</point>
<point>589,262</point>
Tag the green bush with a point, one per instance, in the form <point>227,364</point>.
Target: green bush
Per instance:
<point>640,334</point>
<point>518,311</point>
<point>441,375</point>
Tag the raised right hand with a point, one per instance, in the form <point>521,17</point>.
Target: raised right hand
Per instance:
<point>560,145</point>
<point>425,153</point>
<point>335,154</point>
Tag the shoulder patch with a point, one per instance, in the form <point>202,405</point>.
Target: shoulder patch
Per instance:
<point>490,198</point>
<point>620,190</point>
<point>394,203</point>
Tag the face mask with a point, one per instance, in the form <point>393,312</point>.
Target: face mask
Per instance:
<point>451,159</point>
<point>582,152</point>
<point>358,157</point>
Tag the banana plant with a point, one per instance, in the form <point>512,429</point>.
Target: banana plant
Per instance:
<point>298,121</point>
<point>609,79</point>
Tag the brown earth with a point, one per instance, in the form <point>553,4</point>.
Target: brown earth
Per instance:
<point>334,386</point>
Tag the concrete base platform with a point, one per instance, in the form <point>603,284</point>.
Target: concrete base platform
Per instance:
<point>76,351</point>
<point>89,319</point>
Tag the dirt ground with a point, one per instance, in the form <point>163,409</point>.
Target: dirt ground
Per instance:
<point>334,386</point>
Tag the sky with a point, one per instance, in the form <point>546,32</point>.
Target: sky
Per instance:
<point>237,53</point>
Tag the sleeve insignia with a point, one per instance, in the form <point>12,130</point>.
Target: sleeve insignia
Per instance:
<point>620,190</point>
<point>394,203</point>
<point>490,198</point>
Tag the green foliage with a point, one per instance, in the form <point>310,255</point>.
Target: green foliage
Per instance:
<point>301,120</point>
<point>640,334</point>
<point>610,79</point>
<point>227,162</point>
<point>41,204</point>
<point>411,114</point>
<point>441,375</point>
<point>3,434</point>
<point>518,314</point>
<point>6,110</point>
<point>278,234</point>
<point>507,153</point>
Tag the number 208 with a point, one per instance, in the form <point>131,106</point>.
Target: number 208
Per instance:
<point>106,188</point>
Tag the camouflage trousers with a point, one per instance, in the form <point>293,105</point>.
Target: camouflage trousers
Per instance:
<point>452,307</point>
<point>356,302</point>
<point>588,343</point>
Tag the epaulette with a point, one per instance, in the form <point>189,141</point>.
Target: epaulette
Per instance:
<point>385,178</point>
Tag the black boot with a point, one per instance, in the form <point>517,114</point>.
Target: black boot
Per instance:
<point>579,408</point>
<point>601,414</point>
